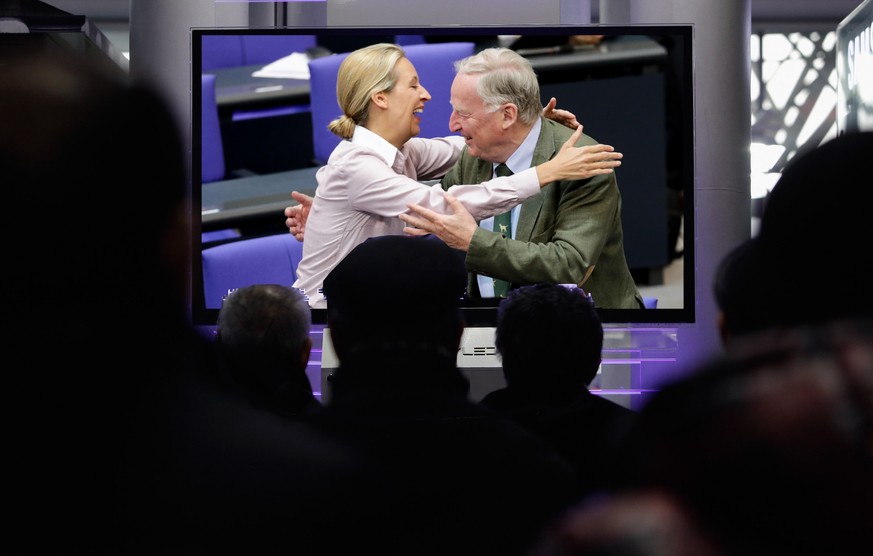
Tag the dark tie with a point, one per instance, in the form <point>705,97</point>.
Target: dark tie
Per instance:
<point>503,225</point>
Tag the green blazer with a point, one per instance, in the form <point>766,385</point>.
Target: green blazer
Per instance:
<point>568,234</point>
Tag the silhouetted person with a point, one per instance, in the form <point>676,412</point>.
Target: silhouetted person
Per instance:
<point>550,340</point>
<point>736,289</point>
<point>264,344</point>
<point>465,480</point>
<point>813,234</point>
<point>123,442</point>
<point>771,445</point>
<point>642,523</point>
<point>813,221</point>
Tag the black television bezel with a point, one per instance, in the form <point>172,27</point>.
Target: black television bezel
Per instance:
<point>482,312</point>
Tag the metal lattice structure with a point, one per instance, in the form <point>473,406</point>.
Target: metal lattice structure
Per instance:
<point>794,98</point>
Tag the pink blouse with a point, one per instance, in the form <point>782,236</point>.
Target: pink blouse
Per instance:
<point>367,183</point>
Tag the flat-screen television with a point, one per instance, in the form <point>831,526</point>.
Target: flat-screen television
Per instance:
<point>855,70</point>
<point>631,86</point>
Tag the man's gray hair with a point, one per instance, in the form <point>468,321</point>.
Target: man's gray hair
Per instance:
<point>506,77</point>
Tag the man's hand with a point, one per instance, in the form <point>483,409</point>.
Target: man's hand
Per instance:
<point>455,229</point>
<point>296,215</point>
<point>563,117</point>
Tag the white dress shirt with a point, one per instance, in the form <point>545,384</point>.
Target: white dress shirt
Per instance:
<point>519,161</point>
<point>367,183</point>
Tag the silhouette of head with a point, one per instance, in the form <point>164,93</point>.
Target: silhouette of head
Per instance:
<point>102,156</point>
<point>395,300</point>
<point>263,338</point>
<point>814,232</point>
<point>549,336</point>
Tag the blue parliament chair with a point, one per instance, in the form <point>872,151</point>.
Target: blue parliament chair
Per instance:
<point>264,49</point>
<point>405,40</point>
<point>435,66</point>
<point>221,51</point>
<point>269,259</point>
<point>323,104</point>
<point>212,166</point>
<point>227,51</point>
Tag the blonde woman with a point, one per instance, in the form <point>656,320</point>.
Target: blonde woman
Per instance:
<point>377,170</point>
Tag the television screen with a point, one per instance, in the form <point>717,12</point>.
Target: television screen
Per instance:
<point>257,136</point>
<point>855,70</point>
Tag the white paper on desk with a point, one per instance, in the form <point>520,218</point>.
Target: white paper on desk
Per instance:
<point>293,66</point>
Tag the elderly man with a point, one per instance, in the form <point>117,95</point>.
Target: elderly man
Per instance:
<point>570,233</point>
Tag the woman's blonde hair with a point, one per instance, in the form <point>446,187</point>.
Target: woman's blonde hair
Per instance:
<point>365,71</point>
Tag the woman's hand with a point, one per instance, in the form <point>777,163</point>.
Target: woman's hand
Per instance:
<point>579,163</point>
